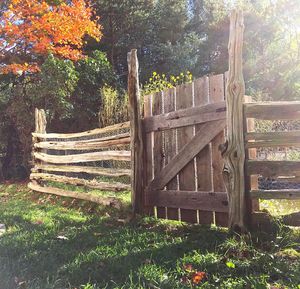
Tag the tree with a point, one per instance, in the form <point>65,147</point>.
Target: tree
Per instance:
<point>31,29</point>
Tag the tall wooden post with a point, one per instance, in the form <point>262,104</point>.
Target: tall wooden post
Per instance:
<point>137,154</point>
<point>40,127</point>
<point>234,152</point>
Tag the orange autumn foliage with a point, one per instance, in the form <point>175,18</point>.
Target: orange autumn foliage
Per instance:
<point>31,29</point>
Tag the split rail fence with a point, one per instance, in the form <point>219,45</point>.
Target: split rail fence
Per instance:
<point>80,150</point>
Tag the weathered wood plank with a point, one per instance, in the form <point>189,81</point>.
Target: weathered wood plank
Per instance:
<point>217,94</point>
<point>148,137</point>
<point>273,143</point>
<point>93,144</point>
<point>204,158</point>
<point>275,194</point>
<point>86,157</point>
<point>192,200</point>
<point>104,186</point>
<point>84,169</point>
<point>272,168</point>
<point>184,99</point>
<point>186,117</point>
<point>158,154</point>
<point>170,141</point>
<point>83,134</point>
<point>273,135</point>
<point>187,153</point>
<point>234,151</point>
<point>106,201</point>
<point>136,131</point>
<point>283,110</point>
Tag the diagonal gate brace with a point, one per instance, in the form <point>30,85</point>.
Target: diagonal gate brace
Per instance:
<point>203,137</point>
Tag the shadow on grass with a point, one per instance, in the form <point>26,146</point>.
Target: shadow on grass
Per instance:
<point>49,244</point>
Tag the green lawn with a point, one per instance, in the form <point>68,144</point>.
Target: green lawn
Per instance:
<point>59,243</point>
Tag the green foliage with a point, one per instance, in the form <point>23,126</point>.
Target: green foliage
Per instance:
<point>114,107</point>
<point>53,87</point>
<point>159,82</point>
<point>70,93</point>
<point>95,72</point>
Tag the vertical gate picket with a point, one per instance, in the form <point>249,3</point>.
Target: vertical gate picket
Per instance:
<point>184,99</point>
<point>204,158</point>
<point>148,152</point>
<point>158,145</point>
<point>217,94</point>
<point>170,146</point>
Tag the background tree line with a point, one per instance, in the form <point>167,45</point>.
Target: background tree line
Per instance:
<point>171,36</point>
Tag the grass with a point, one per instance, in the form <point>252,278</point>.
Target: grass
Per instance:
<point>58,243</point>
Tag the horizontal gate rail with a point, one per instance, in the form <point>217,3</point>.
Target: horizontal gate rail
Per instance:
<point>206,201</point>
<point>186,117</point>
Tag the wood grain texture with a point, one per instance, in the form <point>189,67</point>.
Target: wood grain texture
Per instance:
<point>86,157</point>
<point>187,153</point>
<point>273,168</point>
<point>104,186</point>
<point>275,194</point>
<point>170,141</point>
<point>106,201</point>
<point>158,154</point>
<point>204,158</point>
<point>281,110</point>
<point>93,144</point>
<point>83,134</point>
<point>217,94</point>
<point>234,152</point>
<point>251,182</point>
<point>273,135</point>
<point>136,132</point>
<point>207,201</point>
<point>83,169</point>
<point>148,140</point>
<point>186,117</point>
<point>184,99</point>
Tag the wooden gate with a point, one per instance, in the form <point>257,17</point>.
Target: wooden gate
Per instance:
<point>184,127</point>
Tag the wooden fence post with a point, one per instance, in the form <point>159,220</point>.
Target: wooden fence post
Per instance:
<point>40,127</point>
<point>233,150</point>
<point>137,154</point>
